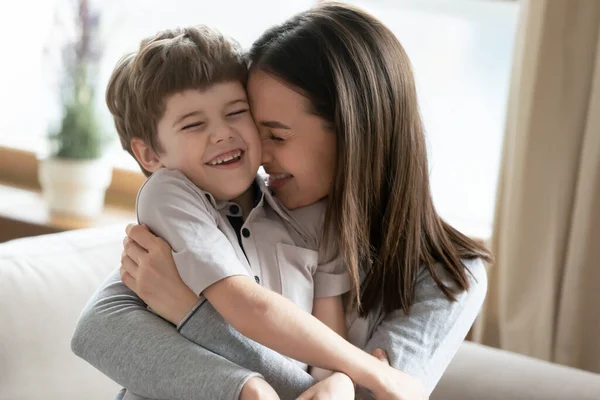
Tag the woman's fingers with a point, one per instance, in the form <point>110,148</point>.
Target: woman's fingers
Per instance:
<point>132,249</point>
<point>128,265</point>
<point>141,235</point>
<point>381,356</point>
<point>127,279</point>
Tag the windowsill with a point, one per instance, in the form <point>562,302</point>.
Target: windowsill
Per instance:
<point>20,168</point>
<point>23,212</point>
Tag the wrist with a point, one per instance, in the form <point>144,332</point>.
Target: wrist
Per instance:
<point>182,304</point>
<point>342,378</point>
<point>367,373</point>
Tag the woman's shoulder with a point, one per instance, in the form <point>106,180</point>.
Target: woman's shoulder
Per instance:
<point>476,275</point>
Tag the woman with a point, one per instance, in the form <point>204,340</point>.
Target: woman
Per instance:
<point>417,283</point>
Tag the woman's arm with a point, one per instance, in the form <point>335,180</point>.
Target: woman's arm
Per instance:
<point>144,353</point>
<point>423,343</point>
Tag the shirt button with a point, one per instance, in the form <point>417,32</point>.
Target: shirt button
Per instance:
<point>234,209</point>
<point>257,279</point>
<point>245,233</point>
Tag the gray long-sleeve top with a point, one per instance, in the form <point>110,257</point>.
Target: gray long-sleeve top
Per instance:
<point>152,358</point>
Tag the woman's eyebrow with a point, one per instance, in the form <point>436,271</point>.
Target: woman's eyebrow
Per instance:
<point>274,125</point>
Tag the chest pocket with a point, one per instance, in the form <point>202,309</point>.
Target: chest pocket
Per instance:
<point>297,266</point>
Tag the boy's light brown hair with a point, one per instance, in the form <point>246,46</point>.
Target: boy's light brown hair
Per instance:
<point>172,61</point>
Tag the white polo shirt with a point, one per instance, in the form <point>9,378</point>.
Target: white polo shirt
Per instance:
<point>278,244</point>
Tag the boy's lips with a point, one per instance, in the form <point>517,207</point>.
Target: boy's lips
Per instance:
<point>227,159</point>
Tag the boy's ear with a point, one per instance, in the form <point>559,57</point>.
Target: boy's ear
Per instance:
<point>147,157</point>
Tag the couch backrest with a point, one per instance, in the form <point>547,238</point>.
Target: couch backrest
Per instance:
<point>44,283</point>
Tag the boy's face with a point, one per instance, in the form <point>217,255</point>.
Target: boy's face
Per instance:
<point>210,136</point>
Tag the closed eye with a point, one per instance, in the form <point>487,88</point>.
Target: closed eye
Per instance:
<point>276,139</point>
<point>193,125</point>
<point>238,112</point>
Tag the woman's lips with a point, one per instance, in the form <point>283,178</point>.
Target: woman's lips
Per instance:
<point>277,181</point>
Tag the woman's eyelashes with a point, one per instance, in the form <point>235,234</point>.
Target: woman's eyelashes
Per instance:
<point>275,139</point>
<point>271,136</point>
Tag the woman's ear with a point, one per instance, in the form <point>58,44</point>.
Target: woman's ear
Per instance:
<point>147,157</point>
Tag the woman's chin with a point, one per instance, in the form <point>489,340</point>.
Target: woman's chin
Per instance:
<point>292,201</point>
<point>289,201</point>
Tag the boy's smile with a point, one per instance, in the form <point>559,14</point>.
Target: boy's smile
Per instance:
<point>210,136</point>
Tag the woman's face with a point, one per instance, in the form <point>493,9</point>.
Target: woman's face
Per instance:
<point>298,151</point>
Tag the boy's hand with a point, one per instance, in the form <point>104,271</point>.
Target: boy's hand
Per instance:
<point>337,386</point>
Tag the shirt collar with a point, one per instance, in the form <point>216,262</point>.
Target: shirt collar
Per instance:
<point>267,195</point>
<point>261,192</point>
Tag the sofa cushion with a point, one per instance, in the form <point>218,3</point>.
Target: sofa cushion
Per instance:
<point>44,283</point>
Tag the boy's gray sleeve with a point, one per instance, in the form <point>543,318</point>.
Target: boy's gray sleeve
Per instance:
<point>423,343</point>
<point>144,353</point>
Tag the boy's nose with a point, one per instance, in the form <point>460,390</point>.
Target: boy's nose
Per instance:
<point>222,134</point>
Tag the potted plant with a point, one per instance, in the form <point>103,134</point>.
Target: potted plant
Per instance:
<point>75,174</point>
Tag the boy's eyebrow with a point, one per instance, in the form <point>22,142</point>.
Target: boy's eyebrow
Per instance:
<point>274,125</point>
<point>240,100</point>
<point>185,116</point>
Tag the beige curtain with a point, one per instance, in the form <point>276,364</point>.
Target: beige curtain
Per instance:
<point>544,294</point>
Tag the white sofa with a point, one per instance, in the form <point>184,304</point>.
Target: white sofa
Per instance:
<point>46,280</point>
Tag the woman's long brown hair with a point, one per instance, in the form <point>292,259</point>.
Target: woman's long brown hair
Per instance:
<point>359,79</point>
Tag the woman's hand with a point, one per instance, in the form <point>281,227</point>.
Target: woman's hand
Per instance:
<point>381,356</point>
<point>148,268</point>
<point>387,383</point>
<point>336,386</point>
<point>394,384</point>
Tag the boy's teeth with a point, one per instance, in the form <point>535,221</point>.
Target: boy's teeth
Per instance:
<point>221,160</point>
<point>279,176</point>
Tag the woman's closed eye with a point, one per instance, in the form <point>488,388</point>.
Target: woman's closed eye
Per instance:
<point>275,139</point>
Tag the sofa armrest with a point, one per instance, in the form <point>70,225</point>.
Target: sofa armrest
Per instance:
<point>481,372</point>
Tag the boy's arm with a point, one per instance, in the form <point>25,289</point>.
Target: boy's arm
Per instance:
<point>331,281</point>
<point>173,208</point>
<point>330,311</point>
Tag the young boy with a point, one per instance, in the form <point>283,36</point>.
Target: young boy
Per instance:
<point>180,109</point>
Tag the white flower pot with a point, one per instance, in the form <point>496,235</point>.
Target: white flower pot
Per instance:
<point>75,187</point>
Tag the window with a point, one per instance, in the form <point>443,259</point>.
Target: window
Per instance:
<point>461,51</point>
